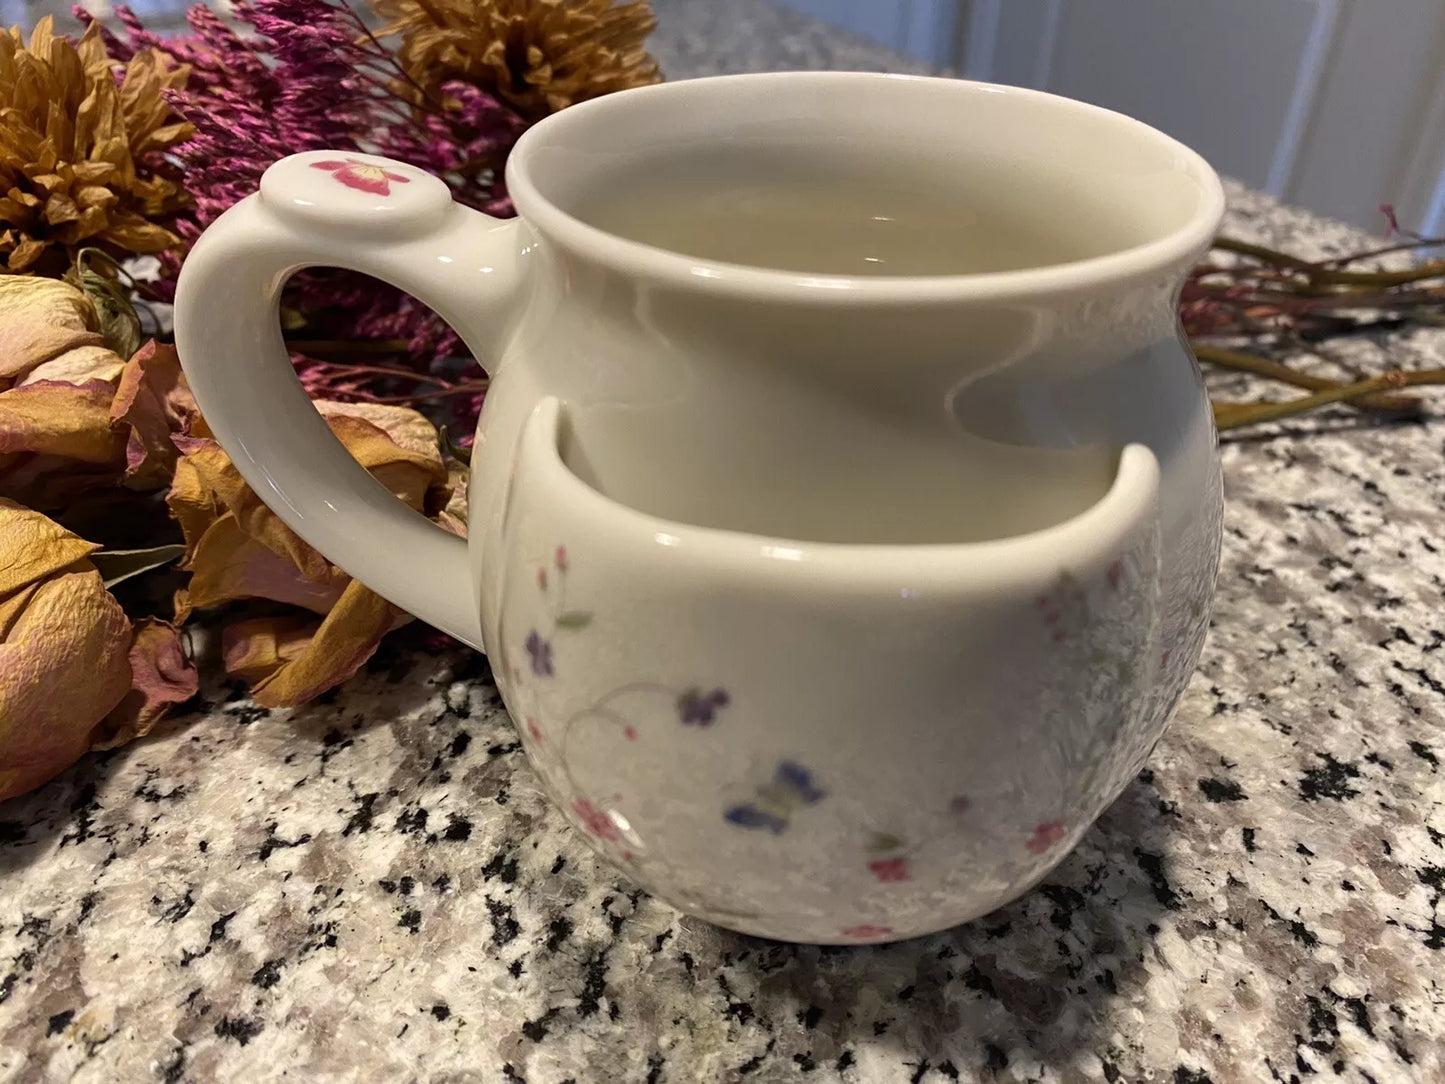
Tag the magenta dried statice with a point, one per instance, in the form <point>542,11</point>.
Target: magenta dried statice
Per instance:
<point>293,75</point>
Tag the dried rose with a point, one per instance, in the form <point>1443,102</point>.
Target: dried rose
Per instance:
<point>49,330</point>
<point>63,649</point>
<point>237,549</point>
<point>162,676</point>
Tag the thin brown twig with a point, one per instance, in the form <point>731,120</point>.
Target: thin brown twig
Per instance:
<point>1235,415</point>
<point>1273,370</point>
<point>1318,273</point>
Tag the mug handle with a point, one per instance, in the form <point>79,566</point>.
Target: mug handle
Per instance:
<point>386,219</point>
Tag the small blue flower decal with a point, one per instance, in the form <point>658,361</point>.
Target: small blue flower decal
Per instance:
<point>791,788</point>
<point>697,708</point>
<point>541,652</point>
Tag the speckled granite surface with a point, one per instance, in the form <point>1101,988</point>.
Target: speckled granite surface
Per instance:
<point>373,889</point>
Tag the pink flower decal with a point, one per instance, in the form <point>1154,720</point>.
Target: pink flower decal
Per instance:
<point>890,869</point>
<point>362,176</point>
<point>1045,836</point>
<point>866,932</point>
<point>630,733</point>
<point>542,577</point>
<point>1116,575</point>
<point>535,731</point>
<point>595,820</point>
<point>561,558</point>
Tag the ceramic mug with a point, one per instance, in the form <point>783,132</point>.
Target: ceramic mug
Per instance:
<point>830,608</point>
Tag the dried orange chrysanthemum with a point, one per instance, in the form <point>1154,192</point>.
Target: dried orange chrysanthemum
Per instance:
<point>538,56</point>
<point>80,149</point>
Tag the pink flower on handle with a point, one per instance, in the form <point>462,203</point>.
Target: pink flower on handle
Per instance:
<point>866,932</point>
<point>362,175</point>
<point>1045,836</point>
<point>890,869</point>
<point>561,556</point>
<point>595,820</point>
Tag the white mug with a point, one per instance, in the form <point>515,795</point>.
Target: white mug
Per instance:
<point>831,607</point>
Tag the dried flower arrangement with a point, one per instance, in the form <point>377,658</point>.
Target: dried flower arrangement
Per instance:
<point>120,516</point>
<point>121,519</point>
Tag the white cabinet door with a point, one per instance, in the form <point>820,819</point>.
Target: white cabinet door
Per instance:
<point>921,28</point>
<point>1338,105</point>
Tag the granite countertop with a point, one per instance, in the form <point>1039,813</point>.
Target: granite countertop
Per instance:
<point>374,889</point>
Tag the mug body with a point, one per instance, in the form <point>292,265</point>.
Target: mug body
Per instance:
<point>835,608</point>
<point>826,743</point>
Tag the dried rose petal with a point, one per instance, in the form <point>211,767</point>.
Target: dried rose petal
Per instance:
<point>162,676</point>
<point>63,649</point>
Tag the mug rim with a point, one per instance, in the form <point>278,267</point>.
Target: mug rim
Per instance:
<point>638,259</point>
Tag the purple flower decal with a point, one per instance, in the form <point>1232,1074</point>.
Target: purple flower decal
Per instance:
<point>697,708</point>
<point>541,652</point>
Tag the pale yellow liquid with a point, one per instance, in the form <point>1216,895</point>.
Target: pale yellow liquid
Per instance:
<point>826,221</point>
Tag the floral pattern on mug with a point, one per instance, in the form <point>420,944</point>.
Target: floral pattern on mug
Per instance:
<point>596,821</point>
<point>791,788</point>
<point>697,708</point>
<point>362,176</point>
<point>1045,836</point>
<point>867,932</point>
<point>541,652</point>
<point>890,870</point>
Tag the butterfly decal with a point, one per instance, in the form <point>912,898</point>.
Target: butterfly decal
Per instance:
<point>791,788</point>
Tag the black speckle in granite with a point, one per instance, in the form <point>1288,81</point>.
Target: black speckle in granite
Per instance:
<point>753,1064</point>
<point>502,866</point>
<point>536,1030</point>
<point>459,744</point>
<point>12,832</point>
<point>1425,753</point>
<point>273,842</point>
<point>558,930</point>
<point>238,1028</point>
<point>1248,836</point>
<point>1152,866</point>
<point>510,1075</point>
<point>515,969</point>
<point>87,905</point>
<point>505,926</point>
<point>267,975</point>
<point>458,829</point>
<point>1185,1075</point>
<point>179,909</point>
<point>173,1069</point>
<point>1329,780</point>
<point>442,882</point>
<point>845,1061</point>
<point>412,821</point>
<point>59,1022</point>
<point>410,920</point>
<point>594,984</point>
<point>441,1011</point>
<point>1067,901</point>
<point>995,1060</point>
<point>364,816</point>
<point>948,1069</point>
<point>1300,848</point>
<point>1222,790</point>
<point>501,749</point>
<point>1298,930</point>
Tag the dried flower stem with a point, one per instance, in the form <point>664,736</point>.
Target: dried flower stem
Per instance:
<point>1235,415</point>
<point>1322,274</point>
<point>1273,370</point>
